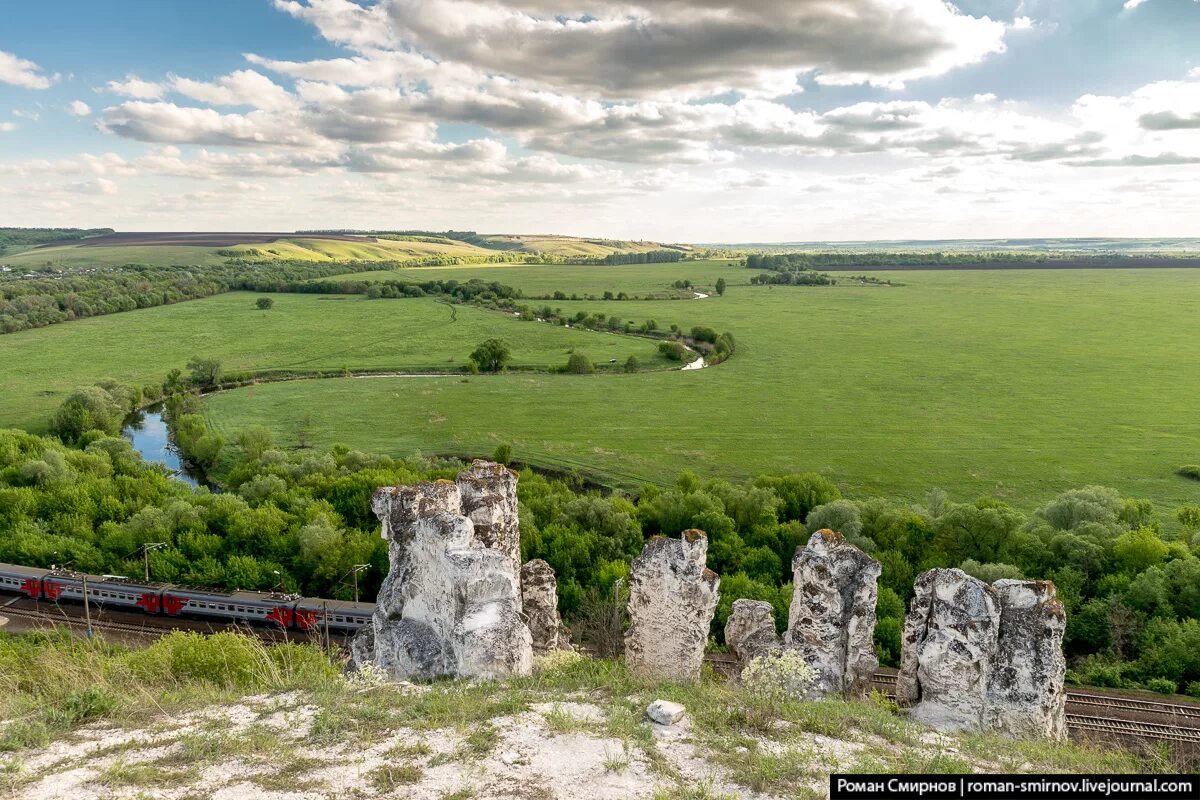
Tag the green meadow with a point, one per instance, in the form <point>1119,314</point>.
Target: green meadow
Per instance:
<point>302,332</point>
<point>1012,383</point>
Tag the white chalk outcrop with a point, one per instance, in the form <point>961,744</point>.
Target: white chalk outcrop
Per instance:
<point>832,618</point>
<point>984,658</point>
<point>539,599</point>
<point>451,602</point>
<point>750,630</point>
<point>672,599</point>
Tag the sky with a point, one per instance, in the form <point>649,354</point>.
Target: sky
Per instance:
<point>669,120</point>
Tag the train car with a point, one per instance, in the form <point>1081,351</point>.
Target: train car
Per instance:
<point>259,607</point>
<point>103,590</point>
<point>22,580</point>
<point>342,616</point>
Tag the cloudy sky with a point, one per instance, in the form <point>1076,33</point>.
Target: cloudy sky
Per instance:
<point>678,120</point>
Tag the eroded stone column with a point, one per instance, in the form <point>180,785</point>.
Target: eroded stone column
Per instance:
<point>672,599</point>
<point>948,649</point>
<point>832,618</point>
<point>539,598</point>
<point>1026,696</point>
<point>750,630</point>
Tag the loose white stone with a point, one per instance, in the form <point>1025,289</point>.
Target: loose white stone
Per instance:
<point>664,712</point>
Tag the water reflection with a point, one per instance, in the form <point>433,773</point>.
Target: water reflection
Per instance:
<point>147,430</point>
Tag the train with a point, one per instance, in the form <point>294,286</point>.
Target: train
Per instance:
<point>288,611</point>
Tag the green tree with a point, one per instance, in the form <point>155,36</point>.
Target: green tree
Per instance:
<point>264,303</point>
<point>492,355</point>
<point>632,364</point>
<point>580,364</point>
<point>502,454</point>
<point>720,286</point>
<point>204,372</point>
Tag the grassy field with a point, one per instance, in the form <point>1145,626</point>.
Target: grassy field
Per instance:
<point>1017,384</point>
<point>317,249</point>
<point>39,367</point>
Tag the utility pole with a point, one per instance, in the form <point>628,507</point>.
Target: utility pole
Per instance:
<point>357,569</point>
<point>87,607</point>
<point>146,548</point>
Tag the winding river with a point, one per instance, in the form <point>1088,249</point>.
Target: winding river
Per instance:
<point>147,431</point>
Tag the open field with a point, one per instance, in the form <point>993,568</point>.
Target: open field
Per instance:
<point>39,367</point>
<point>1013,383</point>
<point>202,239</point>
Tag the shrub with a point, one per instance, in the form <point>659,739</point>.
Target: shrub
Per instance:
<point>264,303</point>
<point>1192,689</point>
<point>502,454</point>
<point>1161,685</point>
<point>580,364</point>
<point>673,350</point>
<point>1190,471</point>
<point>779,676</point>
<point>632,364</point>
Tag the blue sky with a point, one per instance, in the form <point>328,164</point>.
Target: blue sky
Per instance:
<point>672,120</point>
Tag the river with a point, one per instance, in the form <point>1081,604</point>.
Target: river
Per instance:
<point>147,431</point>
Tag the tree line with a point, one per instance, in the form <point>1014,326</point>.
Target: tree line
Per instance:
<point>27,237</point>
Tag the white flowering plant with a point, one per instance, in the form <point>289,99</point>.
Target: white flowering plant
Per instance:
<point>779,675</point>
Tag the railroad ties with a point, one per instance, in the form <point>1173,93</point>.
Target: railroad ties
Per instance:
<point>1158,719</point>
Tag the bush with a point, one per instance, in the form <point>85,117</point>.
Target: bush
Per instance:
<point>779,676</point>
<point>632,364</point>
<point>1190,471</point>
<point>264,303</point>
<point>1192,689</point>
<point>673,350</point>
<point>502,454</point>
<point>580,364</point>
<point>1161,685</point>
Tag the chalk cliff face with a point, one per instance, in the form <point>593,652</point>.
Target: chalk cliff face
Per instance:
<point>832,617</point>
<point>539,597</point>
<point>451,603</point>
<point>672,599</point>
<point>979,657</point>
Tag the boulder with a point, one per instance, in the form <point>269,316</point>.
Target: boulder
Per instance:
<point>451,602</point>
<point>750,630</point>
<point>672,599</point>
<point>1026,697</point>
<point>539,599</point>
<point>832,617</point>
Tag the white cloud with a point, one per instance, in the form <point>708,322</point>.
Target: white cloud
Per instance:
<point>7,127</point>
<point>78,108</point>
<point>26,74</point>
<point>135,87</point>
<point>1132,4</point>
<point>241,88</point>
<point>23,114</point>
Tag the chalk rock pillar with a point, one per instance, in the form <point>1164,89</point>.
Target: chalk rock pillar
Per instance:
<point>1026,696</point>
<point>948,650</point>
<point>450,604</point>
<point>489,498</point>
<point>750,630</point>
<point>832,618</point>
<point>539,597</point>
<point>672,599</point>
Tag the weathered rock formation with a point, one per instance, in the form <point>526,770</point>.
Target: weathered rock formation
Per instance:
<point>539,598</point>
<point>672,598</point>
<point>832,618</point>
<point>451,602</point>
<point>979,657</point>
<point>947,650</point>
<point>750,630</point>
<point>1026,696</point>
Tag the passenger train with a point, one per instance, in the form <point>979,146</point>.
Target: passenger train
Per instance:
<point>288,611</point>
